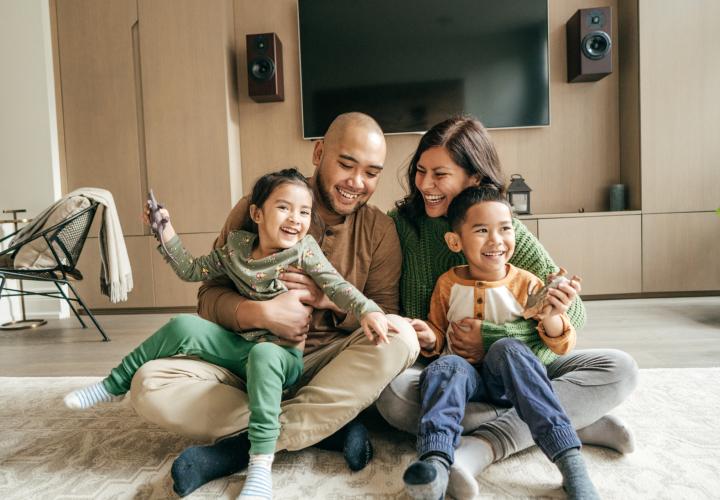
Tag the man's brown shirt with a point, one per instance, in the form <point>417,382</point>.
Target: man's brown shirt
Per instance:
<point>364,249</point>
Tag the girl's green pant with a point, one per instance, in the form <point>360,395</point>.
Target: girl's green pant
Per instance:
<point>267,368</point>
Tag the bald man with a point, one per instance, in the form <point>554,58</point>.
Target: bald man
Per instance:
<point>344,372</point>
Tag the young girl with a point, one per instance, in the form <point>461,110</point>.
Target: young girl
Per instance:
<point>273,238</point>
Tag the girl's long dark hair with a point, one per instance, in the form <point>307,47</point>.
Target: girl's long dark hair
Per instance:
<point>264,187</point>
<point>469,146</point>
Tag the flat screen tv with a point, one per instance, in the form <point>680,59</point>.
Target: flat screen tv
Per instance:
<point>412,63</point>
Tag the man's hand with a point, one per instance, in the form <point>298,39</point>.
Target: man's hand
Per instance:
<point>286,315</point>
<point>296,279</point>
<point>466,339</point>
<point>426,336</point>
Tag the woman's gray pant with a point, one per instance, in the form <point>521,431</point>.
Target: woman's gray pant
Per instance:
<point>589,383</point>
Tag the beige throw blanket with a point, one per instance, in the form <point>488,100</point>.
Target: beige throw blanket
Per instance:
<point>115,272</point>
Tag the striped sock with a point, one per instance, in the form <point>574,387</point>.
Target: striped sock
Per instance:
<point>87,397</point>
<point>258,483</point>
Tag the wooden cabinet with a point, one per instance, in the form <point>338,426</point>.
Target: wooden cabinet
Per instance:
<point>532,225</point>
<point>99,88</point>
<point>189,88</point>
<point>139,250</point>
<point>149,98</point>
<point>155,283</point>
<point>604,251</point>
<point>680,252</point>
<point>169,290</point>
<point>680,149</point>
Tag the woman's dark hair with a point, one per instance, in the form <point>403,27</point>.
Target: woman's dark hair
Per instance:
<point>469,146</point>
<point>470,197</point>
<point>264,187</point>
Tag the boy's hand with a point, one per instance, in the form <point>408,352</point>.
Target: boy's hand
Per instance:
<point>466,339</point>
<point>376,326</point>
<point>426,335</point>
<point>559,299</point>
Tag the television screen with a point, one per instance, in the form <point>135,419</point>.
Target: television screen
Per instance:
<point>413,63</point>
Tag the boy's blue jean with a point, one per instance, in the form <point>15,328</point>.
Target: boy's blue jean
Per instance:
<point>510,375</point>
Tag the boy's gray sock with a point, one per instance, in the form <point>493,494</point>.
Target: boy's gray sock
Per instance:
<point>427,479</point>
<point>87,397</point>
<point>610,432</point>
<point>576,481</point>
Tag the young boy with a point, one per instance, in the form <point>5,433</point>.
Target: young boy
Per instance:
<point>511,370</point>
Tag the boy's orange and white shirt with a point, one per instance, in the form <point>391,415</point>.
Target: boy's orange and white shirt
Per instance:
<point>456,298</point>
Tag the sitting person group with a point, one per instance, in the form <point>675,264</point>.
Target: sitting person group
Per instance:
<point>312,294</point>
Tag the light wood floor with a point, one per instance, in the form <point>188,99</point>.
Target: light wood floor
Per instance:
<point>658,333</point>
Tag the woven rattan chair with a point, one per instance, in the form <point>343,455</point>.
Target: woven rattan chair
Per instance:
<point>65,241</point>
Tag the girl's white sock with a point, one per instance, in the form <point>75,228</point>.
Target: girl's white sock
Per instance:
<point>87,397</point>
<point>258,483</point>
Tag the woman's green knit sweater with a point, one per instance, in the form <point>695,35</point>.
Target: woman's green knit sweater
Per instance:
<point>426,257</point>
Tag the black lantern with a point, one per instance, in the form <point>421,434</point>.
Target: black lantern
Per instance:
<point>519,195</point>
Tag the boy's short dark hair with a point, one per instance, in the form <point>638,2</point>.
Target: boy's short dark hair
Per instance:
<point>470,197</point>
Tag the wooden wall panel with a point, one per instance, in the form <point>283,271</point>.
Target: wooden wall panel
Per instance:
<point>680,252</point>
<point>139,248</point>
<point>569,164</point>
<point>171,291</point>
<point>604,251</point>
<point>190,108</point>
<point>532,225</point>
<point>628,46</point>
<point>97,80</point>
<point>680,111</point>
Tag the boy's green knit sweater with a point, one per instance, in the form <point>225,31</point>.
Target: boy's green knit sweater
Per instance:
<point>426,257</point>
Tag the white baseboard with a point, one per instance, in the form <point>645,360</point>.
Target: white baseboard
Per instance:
<point>36,307</point>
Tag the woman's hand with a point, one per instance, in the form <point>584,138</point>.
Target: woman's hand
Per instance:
<point>466,339</point>
<point>296,279</point>
<point>559,299</point>
<point>426,336</point>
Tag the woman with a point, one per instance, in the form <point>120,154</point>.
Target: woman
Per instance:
<point>452,156</point>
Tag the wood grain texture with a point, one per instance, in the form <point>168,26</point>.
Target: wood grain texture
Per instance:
<point>99,103</point>
<point>532,225</point>
<point>171,291</point>
<point>647,329</point>
<point>628,48</point>
<point>189,100</point>
<point>680,252</point>
<point>680,111</point>
<point>58,96</point>
<point>604,251</point>
<point>569,164</point>
<point>139,250</point>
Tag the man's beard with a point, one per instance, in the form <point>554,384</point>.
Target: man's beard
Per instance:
<point>328,202</point>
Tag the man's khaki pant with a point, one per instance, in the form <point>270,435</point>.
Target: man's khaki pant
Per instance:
<point>204,401</point>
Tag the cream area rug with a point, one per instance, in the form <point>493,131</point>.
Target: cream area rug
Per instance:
<point>49,452</point>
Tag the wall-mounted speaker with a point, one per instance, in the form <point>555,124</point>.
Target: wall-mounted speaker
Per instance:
<point>265,68</point>
<point>589,45</point>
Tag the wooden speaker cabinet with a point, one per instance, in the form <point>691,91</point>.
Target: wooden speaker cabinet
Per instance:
<point>265,69</point>
<point>589,45</point>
